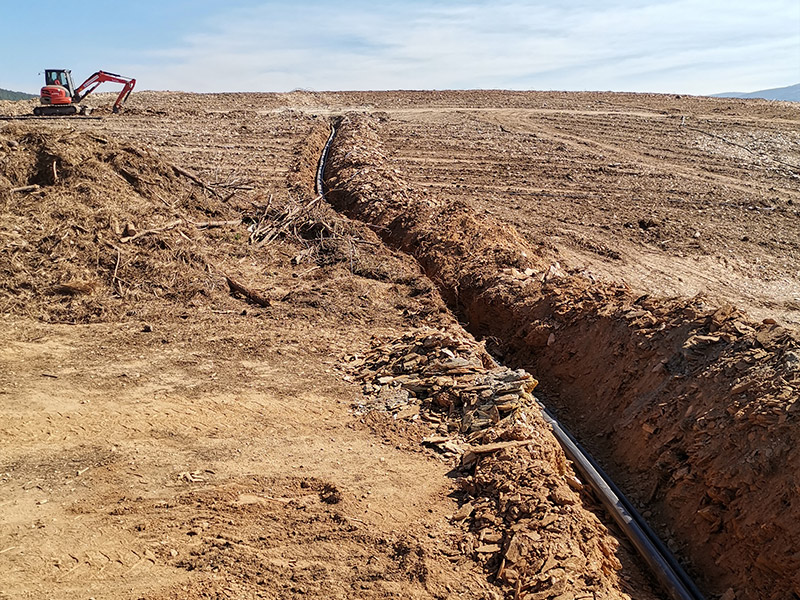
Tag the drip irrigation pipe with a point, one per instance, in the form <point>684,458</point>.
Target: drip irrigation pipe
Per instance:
<point>665,567</point>
<point>50,118</point>
<point>319,183</point>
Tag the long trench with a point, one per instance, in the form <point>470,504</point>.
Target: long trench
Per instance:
<point>662,563</point>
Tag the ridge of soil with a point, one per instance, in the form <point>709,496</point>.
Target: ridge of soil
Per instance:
<point>695,405</point>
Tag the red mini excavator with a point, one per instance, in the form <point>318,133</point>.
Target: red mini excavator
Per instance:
<point>60,98</point>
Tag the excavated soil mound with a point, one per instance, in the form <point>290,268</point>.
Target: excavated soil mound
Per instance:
<point>90,227</point>
<point>528,523</point>
<point>692,408</point>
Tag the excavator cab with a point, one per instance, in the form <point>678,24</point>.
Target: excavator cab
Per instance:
<point>58,93</point>
<point>61,77</point>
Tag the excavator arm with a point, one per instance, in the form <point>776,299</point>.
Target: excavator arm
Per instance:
<point>88,86</point>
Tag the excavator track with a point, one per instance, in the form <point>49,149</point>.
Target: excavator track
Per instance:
<point>45,118</point>
<point>61,110</point>
<point>65,110</point>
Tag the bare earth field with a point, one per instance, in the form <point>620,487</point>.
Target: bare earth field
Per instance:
<point>214,384</point>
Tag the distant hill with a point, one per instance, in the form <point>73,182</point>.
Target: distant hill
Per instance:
<point>789,93</point>
<point>9,95</point>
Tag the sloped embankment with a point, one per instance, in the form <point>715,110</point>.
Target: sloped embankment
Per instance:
<point>693,408</point>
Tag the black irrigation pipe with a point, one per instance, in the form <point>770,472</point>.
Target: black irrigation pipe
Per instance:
<point>50,118</point>
<point>319,184</point>
<point>658,557</point>
<point>665,567</point>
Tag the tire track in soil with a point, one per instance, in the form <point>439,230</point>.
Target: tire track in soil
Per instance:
<point>667,166</point>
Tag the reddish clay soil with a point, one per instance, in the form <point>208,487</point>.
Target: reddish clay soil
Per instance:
<point>182,316</point>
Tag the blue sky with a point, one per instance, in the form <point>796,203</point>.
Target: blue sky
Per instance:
<point>680,46</point>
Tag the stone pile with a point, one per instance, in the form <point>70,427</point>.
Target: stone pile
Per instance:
<point>446,379</point>
<point>522,515</point>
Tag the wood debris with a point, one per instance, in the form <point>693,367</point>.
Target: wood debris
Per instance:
<point>191,476</point>
<point>242,290</point>
<point>447,375</point>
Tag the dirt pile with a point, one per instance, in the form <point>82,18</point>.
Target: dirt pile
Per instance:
<point>526,519</point>
<point>91,227</point>
<point>695,408</point>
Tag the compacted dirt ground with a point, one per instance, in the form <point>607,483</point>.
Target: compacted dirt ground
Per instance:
<point>183,410</point>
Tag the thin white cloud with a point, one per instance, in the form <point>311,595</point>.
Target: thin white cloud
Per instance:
<point>674,45</point>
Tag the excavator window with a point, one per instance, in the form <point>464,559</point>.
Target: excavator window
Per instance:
<point>55,78</point>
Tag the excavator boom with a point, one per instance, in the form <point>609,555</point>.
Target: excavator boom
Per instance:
<point>91,83</point>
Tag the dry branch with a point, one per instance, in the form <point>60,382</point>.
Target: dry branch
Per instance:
<point>151,231</point>
<point>209,224</point>
<point>114,279</point>
<point>196,179</point>
<point>24,188</point>
<point>254,297</point>
<point>271,224</point>
<point>173,224</point>
<point>235,185</point>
